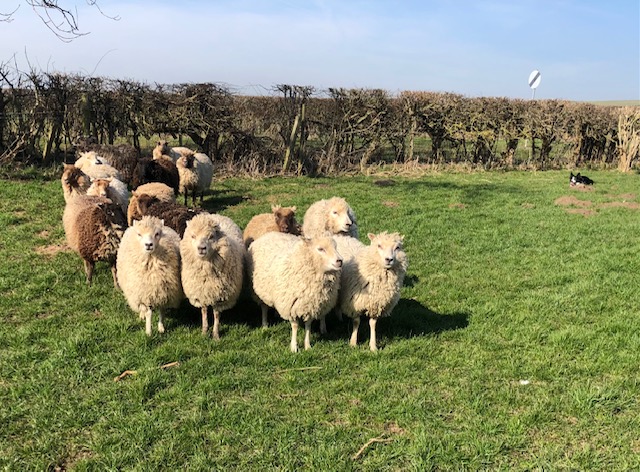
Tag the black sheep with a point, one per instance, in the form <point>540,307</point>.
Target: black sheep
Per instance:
<point>156,170</point>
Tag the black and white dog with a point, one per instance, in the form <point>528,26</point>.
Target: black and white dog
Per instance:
<point>578,179</point>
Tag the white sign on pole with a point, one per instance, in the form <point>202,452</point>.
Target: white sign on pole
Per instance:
<point>534,81</point>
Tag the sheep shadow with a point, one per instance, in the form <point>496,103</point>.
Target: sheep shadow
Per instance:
<point>217,200</point>
<point>409,319</point>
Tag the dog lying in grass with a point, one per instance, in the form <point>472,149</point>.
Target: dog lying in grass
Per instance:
<point>579,180</point>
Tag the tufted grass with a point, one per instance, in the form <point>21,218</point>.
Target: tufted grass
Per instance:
<point>515,345</point>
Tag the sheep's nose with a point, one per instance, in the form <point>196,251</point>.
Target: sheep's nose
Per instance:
<point>389,260</point>
<point>148,246</point>
<point>202,249</point>
<point>339,262</point>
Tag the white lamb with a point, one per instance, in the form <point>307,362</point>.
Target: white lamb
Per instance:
<point>371,282</point>
<point>113,189</point>
<point>201,164</point>
<point>347,246</point>
<point>299,277</point>
<point>212,266</point>
<point>92,165</point>
<point>333,215</point>
<point>148,266</point>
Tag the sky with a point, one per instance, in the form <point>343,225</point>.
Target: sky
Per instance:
<point>584,49</point>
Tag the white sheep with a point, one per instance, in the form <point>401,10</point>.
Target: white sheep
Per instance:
<point>371,282</point>
<point>148,265</point>
<point>113,189</point>
<point>202,165</point>
<point>299,277</point>
<point>96,168</point>
<point>333,215</point>
<point>212,266</point>
<point>347,246</point>
<point>189,177</point>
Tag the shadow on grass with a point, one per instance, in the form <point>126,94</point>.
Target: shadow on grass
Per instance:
<point>218,200</point>
<point>409,319</point>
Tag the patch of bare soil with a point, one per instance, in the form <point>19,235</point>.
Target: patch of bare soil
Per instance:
<point>391,204</point>
<point>460,206</point>
<point>43,234</point>
<point>569,200</point>
<point>528,206</point>
<point>51,250</point>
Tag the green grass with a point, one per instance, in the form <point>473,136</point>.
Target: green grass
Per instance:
<point>504,285</point>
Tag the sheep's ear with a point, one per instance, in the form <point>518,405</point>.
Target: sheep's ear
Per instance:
<point>162,222</point>
<point>135,223</point>
<point>401,237</point>
<point>293,209</point>
<point>371,236</point>
<point>275,208</point>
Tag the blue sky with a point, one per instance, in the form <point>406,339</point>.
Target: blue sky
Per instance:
<point>585,50</point>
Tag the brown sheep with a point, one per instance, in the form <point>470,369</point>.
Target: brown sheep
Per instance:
<point>175,216</point>
<point>159,190</point>
<point>93,227</point>
<point>281,219</point>
<point>74,182</point>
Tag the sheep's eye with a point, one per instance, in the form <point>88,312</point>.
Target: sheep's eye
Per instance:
<point>193,236</point>
<point>379,246</point>
<point>212,236</point>
<point>334,212</point>
<point>157,235</point>
<point>321,249</point>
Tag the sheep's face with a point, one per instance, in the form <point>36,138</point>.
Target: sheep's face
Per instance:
<point>204,243</point>
<point>99,187</point>
<point>186,161</point>
<point>388,247</point>
<point>163,146</point>
<point>148,236</point>
<point>91,157</point>
<point>285,219</point>
<point>325,252</point>
<point>340,217</point>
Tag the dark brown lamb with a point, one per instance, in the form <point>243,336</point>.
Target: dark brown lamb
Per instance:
<point>175,216</point>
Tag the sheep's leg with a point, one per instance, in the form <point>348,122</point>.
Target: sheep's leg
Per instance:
<point>114,274</point>
<point>160,321</point>
<point>88,270</point>
<point>354,334</point>
<point>323,325</point>
<point>216,324</point>
<point>372,341</point>
<point>294,336</point>
<point>205,320</point>
<point>148,321</point>
<point>339,314</point>
<point>265,312</point>
<point>307,335</point>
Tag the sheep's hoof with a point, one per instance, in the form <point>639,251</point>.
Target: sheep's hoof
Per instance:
<point>294,348</point>
<point>353,343</point>
<point>373,348</point>
<point>160,328</point>
<point>216,336</point>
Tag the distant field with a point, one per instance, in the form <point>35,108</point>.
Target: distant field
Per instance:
<point>515,346</point>
<point>618,103</point>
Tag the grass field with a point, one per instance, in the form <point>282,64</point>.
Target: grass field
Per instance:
<point>515,346</point>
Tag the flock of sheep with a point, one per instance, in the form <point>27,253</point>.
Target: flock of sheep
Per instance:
<point>161,252</point>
